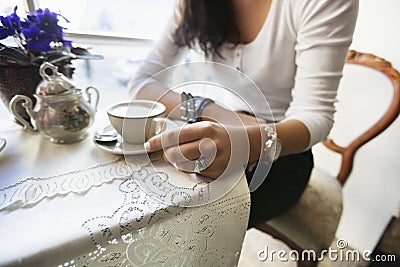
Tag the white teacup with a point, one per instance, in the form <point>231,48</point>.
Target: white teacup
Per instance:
<point>138,120</point>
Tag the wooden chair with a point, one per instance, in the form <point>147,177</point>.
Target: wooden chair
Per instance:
<point>312,223</point>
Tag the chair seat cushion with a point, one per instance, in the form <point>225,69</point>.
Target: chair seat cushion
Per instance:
<point>313,221</point>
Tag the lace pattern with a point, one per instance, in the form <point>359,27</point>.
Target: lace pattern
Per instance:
<point>32,190</point>
<point>145,232</point>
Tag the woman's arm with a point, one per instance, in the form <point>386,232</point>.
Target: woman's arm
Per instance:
<point>151,79</point>
<point>324,34</point>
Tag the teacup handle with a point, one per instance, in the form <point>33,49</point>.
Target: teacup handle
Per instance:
<point>28,105</point>
<point>89,96</point>
<point>158,125</point>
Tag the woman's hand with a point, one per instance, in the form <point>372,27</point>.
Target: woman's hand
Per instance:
<point>249,119</point>
<point>219,149</point>
<point>216,113</point>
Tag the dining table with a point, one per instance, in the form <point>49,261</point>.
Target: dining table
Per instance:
<point>79,204</point>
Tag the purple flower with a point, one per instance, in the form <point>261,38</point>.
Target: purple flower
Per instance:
<point>5,29</point>
<point>36,39</point>
<point>10,25</point>
<point>15,20</point>
<point>67,43</point>
<point>39,39</point>
<point>36,32</point>
<point>47,21</point>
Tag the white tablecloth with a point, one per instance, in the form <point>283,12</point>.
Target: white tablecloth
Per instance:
<point>75,205</point>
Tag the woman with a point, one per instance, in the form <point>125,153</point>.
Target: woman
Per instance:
<point>294,50</point>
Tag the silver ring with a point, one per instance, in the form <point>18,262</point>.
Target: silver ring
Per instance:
<point>200,165</point>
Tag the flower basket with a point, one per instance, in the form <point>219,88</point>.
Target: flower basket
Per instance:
<point>18,80</point>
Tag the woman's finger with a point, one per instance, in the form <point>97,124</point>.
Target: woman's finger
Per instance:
<point>188,133</point>
<point>184,152</point>
<point>196,166</point>
<point>204,148</point>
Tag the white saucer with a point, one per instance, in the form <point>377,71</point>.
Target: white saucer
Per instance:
<point>120,148</point>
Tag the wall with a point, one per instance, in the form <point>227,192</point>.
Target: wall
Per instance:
<point>372,193</point>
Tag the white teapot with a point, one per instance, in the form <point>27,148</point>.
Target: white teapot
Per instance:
<point>61,112</point>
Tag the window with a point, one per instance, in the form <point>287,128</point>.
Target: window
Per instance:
<point>110,28</point>
<point>136,18</point>
<point>7,7</point>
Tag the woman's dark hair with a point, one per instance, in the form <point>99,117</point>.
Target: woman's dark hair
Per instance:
<point>210,23</point>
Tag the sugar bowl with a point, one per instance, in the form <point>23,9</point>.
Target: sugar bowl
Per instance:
<point>62,112</point>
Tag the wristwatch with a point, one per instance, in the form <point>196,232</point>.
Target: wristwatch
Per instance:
<point>271,144</point>
<point>192,107</point>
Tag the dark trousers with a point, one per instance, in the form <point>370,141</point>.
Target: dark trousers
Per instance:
<point>282,188</point>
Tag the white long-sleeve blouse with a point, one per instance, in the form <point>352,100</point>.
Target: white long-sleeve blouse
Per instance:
<point>296,61</point>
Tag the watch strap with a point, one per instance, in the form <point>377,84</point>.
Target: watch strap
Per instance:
<point>192,107</point>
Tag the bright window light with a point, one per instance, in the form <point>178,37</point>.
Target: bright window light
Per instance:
<point>7,7</point>
<point>137,18</point>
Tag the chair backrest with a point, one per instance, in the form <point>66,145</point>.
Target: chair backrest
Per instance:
<point>348,152</point>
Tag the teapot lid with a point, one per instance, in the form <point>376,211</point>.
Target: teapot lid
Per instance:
<point>54,83</point>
